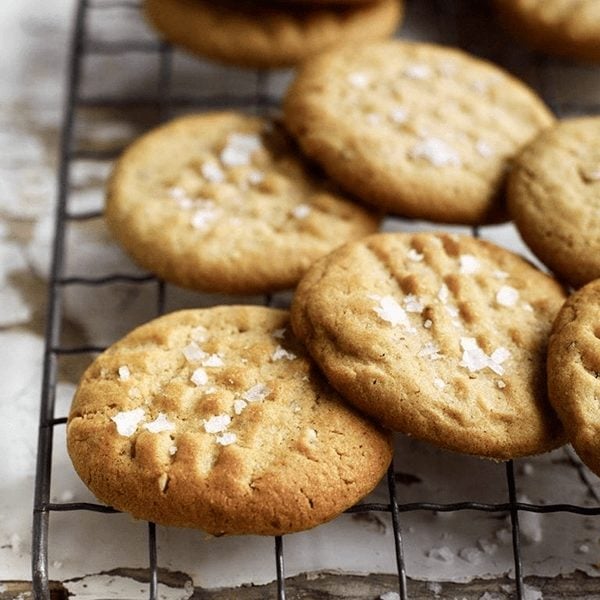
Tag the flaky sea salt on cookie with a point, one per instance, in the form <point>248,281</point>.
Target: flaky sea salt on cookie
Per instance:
<point>223,202</point>
<point>437,336</point>
<point>222,423</point>
<point>420,130</point>
<point>574,371</point>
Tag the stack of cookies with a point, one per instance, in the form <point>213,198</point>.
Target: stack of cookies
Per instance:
<point>245,419</point>
<point>271,33</point>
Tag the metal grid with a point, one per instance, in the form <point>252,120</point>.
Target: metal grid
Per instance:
<point>165,102</point>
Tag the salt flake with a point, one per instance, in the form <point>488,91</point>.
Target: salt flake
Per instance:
<point>468,264</point>
<point>415,256</point>
<point>475,359</point>
<point>204,216</point>
<point>199,334</point>
<point>212,172</point>
<point>358,80</point>
<point>199,377</point>
<point>389,310</point>
<point>257,392</point>
<point>177,193</point>
<point>161,423</point>
<point>193,352</point>
<point>443,293</point>
<point>301,211</point>
<point>217,424</point>
<point>127,421</point>
<point>124,373</point>
<point>507,296</point>
<point>239,406</point>
<point>435,151</point>
<point>213,360</point>
<point>398,115</point>
<point>418,71</point>
<point>239,149</point>
<point>226,439</point>
<point>440,384</point>
<point>281,353</point>
<point>413,304</point>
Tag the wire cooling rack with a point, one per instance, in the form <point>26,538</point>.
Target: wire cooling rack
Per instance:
<point>165,102</point>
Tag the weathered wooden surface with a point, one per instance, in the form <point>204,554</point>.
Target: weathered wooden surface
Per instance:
<point>349,587</point>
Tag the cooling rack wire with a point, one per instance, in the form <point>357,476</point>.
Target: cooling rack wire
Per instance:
<point>83,46</point>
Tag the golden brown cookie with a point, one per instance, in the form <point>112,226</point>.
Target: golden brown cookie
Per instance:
<point>223,202</point>
<point>420,130</point>
<point>554,198</point>
<point>437,336</point>
<point>565,27</point>
<point>216,419</point>
<point>574,371</point>
<point>256,34</point>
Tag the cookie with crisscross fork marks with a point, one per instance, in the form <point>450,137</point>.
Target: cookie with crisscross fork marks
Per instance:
<point>224,202</point>
<point>438,336</point>
<point>217,419</point>
<point>574,371</point>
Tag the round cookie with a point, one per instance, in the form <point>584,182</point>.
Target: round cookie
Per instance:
<point>574,371</point>
<point>256,34</point>
<point>437,336</point>
<point>421,130</point>
<point>568,28</point>
<point>216,419</point>
<point>223,202</point>
<point>554,198</point>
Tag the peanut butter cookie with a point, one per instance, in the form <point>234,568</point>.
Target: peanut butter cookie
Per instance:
<point>437,336</point>
<point>574,371</point>
<point>554,198</point>
<point>258,34</point>
<point>420,130</point>
<point>223,202</point>
<point>217,419</point>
